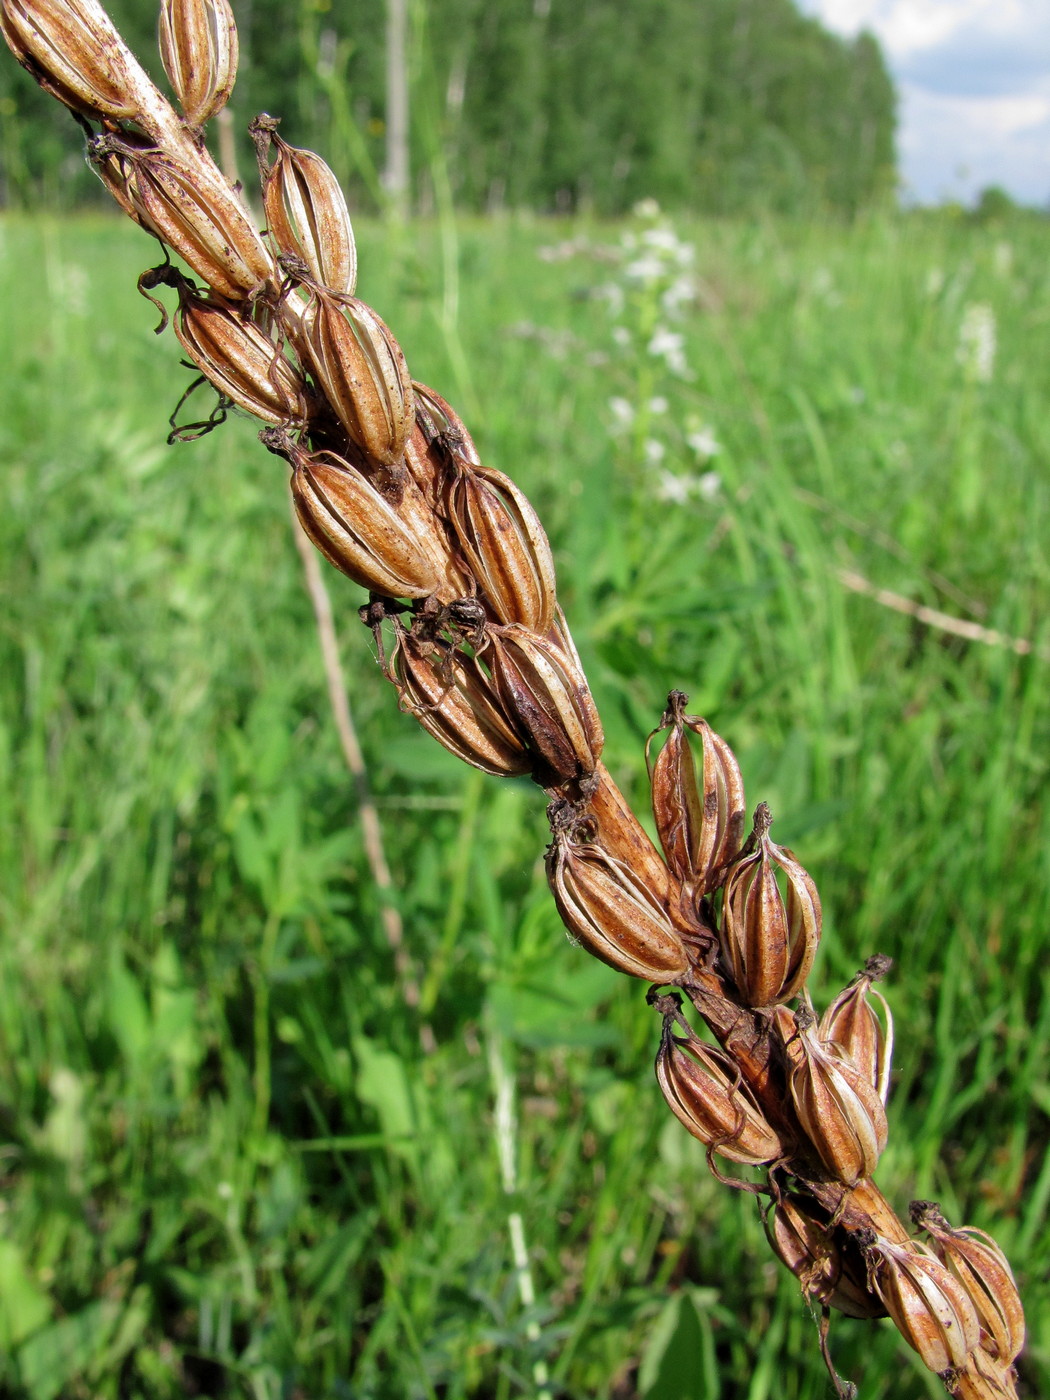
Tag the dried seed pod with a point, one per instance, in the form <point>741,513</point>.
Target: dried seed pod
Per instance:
<point>307,215</point>
<point>360,367</point>
<point>442,421</point>
<point>355,528</point>
<point>199,219</point>
<point>852,1024</point>
<point>239,359</point>
<point>504,545</point>
<point>800,1239</point>
<point>198,47</point>
<point>73,50</point>
<point>606,908</point>
<point>984,1378</point>
<point>929,1306</point>
<point>704,1091</point>
<point>549,699</point>
<point>982,1268</point>
<point>453,701</point>
<point>699,824</point>
<point>768,943</point>
<point>837,1106</point>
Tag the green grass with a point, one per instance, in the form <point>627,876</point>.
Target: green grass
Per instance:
<point>228,1168</point>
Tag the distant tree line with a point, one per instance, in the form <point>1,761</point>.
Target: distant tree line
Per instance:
<point>723,106</point>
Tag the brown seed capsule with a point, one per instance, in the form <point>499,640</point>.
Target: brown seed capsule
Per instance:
<point>355,528</point>
<point>199,219</point>
<point>982,1268</point>
<point>453,701</point>
<point>360,368</point>
<point>239,359</point>
<point>549,699</point>
<point>800,1239</point>
<point>441,420</point>
<point>307,215</point>
<point>839,1109</point>
<point>852,1024</point>
<point>768,943</point>
<point>703,1090</point>
<point>607,909</point>
<point>198,47</point>
<point>73,50</point>
<point>699,824</point>
<point>983,1378</point>
<point>504,546</point>
<point>930,1308</point>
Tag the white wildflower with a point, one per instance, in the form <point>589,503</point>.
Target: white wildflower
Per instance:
<point>648,268</point>
<point>704,443</point>
<point>621,335</point>
<point>613,296</point>
<point>975,350</point>
<point>622,411</point>
<point>669,345</point>
<point>658,404</point>
<point>673,489</point>
<point>680,293</point>
<point>708,485</point>
<point>654,452</point>
<point>647,209</point>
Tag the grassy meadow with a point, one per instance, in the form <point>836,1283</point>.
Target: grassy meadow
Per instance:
<point>228,1165</point>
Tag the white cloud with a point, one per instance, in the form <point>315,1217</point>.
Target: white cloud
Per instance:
<point>974,78</point>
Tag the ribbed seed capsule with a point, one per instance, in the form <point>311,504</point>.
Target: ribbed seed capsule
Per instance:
<point>769,942</point>
<point>199,49</point>
<point>73,50</point>
<point>200,220</point>
<point>549,699</point>
<point>239,359</point>
<point>699,823</point>
<point>307,215</point>
<point>929,1306</point>
<point>452,699</point>
<point>607,909</point>
<point>852,1024</point>
<point>360,367</point>
<point>983,1378</point>
<point>703,1090</point>
<point>504,546</point>
<point>799,1238</point>
<point>982,1268</point>
<point>839,1109</point>
<point>441,419</point>
<point>355,528</point>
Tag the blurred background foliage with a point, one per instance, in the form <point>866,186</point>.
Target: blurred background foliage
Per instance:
<point>723,106</point>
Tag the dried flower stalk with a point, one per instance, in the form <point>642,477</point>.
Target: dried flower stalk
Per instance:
<point>389,486</point>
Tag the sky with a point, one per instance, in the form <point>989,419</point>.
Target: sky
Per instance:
<point>974,84</point>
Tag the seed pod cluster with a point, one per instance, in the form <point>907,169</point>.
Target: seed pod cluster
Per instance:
<point>699,819</point>
<point>198,47</point>
<point>839,1109</point>
<point>929,1306</point>
<point>982,1268</point>
<point>610,912</point>
<point>549,699</point>
<point>704,1091</point>
<point>802,1240</point>
<point>769,940</point>
<point>852,1025</point>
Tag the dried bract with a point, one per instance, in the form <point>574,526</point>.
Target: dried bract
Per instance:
<point>73,50</point>
<point>549,700</point>
<point>607,909</point>
<point>504,546</point>
<point>198,47</point>
<point>837,1106</point>
<point>769,942</point>
<point>453,701</point>
<point>360,368</point>
<point>983,1270</point>
<point>307,216</point>
<point>239,359</point>
<point>800,1239</point>
<point>704,1091</point>
<point>852,1024</point>
<point>699,823</point>
<point>929,1306</point>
